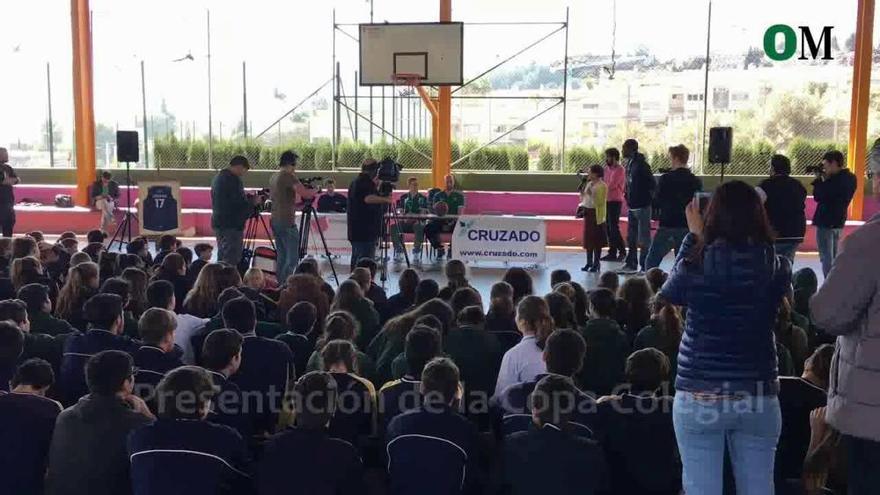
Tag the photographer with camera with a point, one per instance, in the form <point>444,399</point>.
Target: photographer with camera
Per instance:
<point>785,200</point>
<point>453,200</point>
<point>833,189</point>
<point>284,188</point>
<point>365,212</point>
<point>231,208</point>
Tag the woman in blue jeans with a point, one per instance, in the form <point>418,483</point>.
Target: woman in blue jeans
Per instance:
<point>730,279</point>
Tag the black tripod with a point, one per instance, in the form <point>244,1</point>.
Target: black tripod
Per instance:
<point>123,231</point>
<point>309,216</point>
<point>386,236</point>
<point>252,229</point>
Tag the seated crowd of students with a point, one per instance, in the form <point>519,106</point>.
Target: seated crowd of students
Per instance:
<point>133,374</point>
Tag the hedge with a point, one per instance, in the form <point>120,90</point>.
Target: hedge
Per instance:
<point>748,159</point>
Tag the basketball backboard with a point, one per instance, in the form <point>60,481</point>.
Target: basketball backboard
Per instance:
<point>431,50</point>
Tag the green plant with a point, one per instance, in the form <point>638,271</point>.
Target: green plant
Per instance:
<point>351,154</point>
<point>323,155</point>
<point>548,160</point>
<point>496,158</point>
<point>518,158</point>
<point>579,158</point>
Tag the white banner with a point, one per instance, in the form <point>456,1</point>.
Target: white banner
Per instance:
<point>500,238</point>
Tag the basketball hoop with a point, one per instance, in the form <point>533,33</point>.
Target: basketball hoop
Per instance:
<point>407,79</point>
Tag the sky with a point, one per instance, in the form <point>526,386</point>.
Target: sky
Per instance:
<point>287,46</point>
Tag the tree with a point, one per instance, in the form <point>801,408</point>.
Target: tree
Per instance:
<point>481,86</point>
<point>792,115</point>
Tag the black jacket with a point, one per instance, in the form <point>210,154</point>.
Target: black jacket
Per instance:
<point>230,205</point>
<point>675,190</point>
<point>640,182</point>
<point>309,461</point>
<point>832,197</point>
<point>177,457</point>
<point>640,445</point>
<point>332,203</point>
<point>364,219</point>
<point>551,461</point>
<point>88,454</point>
<point>440,442</point>
<point>26,424</point>
<point>97,189</point>
<point>786,204</point>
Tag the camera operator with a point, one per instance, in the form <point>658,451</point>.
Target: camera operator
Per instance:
<point>365,212</point>
<point>231,208</point>
<point>785,200</point>
<point>331,201</point>
<point>454,201</point>
<point>675,190</point>
<point>284,189</point>
<point>833,189</point>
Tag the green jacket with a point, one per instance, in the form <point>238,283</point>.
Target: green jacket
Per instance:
<point>47,324</point>
<point>230,205</point>
<point>366,366</point>
<point>364,312</point>
<point>605,360</point>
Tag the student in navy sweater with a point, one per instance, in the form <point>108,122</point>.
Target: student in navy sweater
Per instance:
<point>181,453</point>
<point>639,438</point>
<point>27,420</point>
<point>104,315</point>
<point>11,348</point>
<point>157,356</point>
<point>303,458</point>
<point>221,356</point>
<point>564,355</point>
<point>432,449</point>
<point>422,345</point>
<point>550,458</point>
<point>266,365</point>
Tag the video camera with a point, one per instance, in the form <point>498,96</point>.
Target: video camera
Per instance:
<point>389,175</point>
<point>262,202</point>
<point>315,183</point>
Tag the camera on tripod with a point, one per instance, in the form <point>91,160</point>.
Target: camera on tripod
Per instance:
<point>389,175</point>
<point>260,200</point>
<point>314,183</point>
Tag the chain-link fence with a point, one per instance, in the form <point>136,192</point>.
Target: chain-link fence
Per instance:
<point>635,69</point>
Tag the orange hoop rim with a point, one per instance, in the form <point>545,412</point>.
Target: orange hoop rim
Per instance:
<point>407,79</point>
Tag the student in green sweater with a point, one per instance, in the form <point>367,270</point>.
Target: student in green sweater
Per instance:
<point>341,325</point>
<point>607,346</point>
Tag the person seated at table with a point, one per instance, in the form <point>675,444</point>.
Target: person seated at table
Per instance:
<point>453,203</point>
<point>411,203</point>
<point>331,201</point>
<point>104,195</point>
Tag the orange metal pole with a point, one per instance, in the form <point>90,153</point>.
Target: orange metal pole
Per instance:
<point>861,93</point>
<point>443,122</point>
<point>83,98</point>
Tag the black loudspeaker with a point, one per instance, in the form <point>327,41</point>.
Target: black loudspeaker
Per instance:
<point>127,147</point>
<point>720,144</point>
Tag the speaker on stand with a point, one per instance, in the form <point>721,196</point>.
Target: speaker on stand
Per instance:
<point>720,147</point>
<point>127,151</point>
